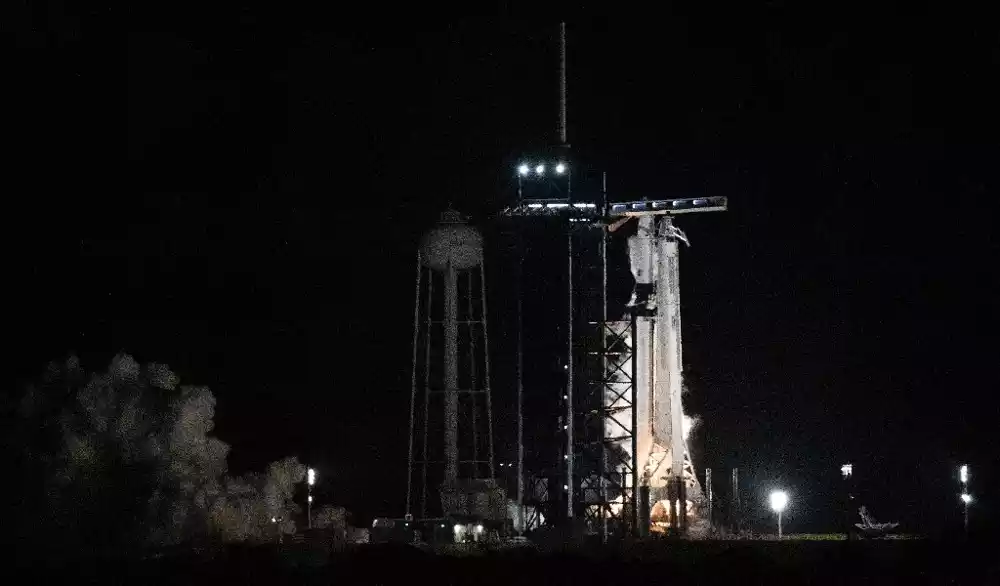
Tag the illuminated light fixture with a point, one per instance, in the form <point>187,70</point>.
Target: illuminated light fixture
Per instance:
<point>479,529</point>
<point>457,528</point>
<point>963,474</point>
<point>273,520</point>
<point>560,168</point>
<point>312,476</point>
<point>847,470</point>
<point>779,501</point>
<point>565,487</point>
<point>966,498</point>
<point>557,205</point>
<point>540,169</point>
<point>523,170</point>
<point>535,206</point>
<point>442,525</point>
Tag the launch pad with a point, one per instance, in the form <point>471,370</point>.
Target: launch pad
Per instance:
<point>623,416</point>
<point>624,465</point>
<point>626,468</point>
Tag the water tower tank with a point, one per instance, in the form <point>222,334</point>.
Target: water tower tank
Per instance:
<point>451,242</point>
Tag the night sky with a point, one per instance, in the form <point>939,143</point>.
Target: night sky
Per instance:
<point>260,236</point>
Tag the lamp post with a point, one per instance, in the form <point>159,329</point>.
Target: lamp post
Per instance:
<point>779,500</point>
<point>966,499</point>
<point>963,477</point>
<point>846,472</point>
<point>311,480</point>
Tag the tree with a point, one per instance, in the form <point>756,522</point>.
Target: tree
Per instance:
<point>124,457</point>
<point>250,503</point>
<point>122,460</point>
<point>330,517</point>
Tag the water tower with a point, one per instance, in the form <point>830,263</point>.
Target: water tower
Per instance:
<point>451,424</point>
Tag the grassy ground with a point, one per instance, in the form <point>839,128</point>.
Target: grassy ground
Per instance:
<point>734,563</point>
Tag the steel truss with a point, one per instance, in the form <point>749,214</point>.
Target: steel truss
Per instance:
<point>598,414</point>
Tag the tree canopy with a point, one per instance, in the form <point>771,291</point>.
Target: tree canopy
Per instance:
<point>123,460</point>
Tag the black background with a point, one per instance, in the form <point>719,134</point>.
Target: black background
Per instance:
<point>260,236</point>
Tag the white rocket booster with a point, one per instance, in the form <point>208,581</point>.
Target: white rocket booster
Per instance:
<point>654,256</point>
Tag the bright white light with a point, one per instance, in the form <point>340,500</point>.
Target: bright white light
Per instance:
<point>523,170</point>
<point>565,487</point>
<point>686,427</point>
<point>312,476</point>
<point>966,498</point>
<point>457,528</point>
<point>779,500</point>
<point>273,520</point>
<point>310,498</point>
<point>560,168</point>
<point>963,474</point>
<point>540,169</point>
<point>846,470</point>
<point>479,528</point>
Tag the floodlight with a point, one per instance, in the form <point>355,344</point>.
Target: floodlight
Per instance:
<point>540,169</point>
<point>966,498</point>
<point>560,168</point>
<point>847,470</point>
<point>523,170</point>
<point>779,500</point>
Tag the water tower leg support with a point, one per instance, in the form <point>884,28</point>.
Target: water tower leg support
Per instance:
<point>451,375</point>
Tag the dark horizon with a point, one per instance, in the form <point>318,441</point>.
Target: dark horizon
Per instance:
<point>262,239</point>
